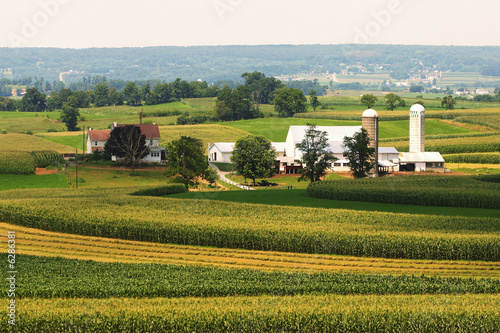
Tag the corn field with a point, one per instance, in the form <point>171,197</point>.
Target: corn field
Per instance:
<point>301,313</point>
<point>109,213</point>
<point>465,191</point>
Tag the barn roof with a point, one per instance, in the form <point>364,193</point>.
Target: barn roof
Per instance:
<point>151,131</point>
<point>99,135</point>
<point>421,157</point>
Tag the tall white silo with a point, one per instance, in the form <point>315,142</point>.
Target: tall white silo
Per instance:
<point>417,128</point>
<point>370,124</point>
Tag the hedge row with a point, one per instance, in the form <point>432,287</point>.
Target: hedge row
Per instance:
<point>473,158</point>
<point>161,191</point>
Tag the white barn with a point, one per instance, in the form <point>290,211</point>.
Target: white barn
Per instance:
<point>289,157</point>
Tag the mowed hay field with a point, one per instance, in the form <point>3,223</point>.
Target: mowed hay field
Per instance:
<point>25,142</point>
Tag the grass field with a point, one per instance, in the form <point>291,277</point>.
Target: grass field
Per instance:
<point>208,133</point>
<point>298,198</point>
<point>276,129</point>
<point>98,175</point>
<point>8,182</point>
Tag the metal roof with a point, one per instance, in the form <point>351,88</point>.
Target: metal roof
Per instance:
<point>421,157</point>
<point>387,150</point>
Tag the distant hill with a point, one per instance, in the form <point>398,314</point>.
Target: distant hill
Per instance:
<point>213,63</point>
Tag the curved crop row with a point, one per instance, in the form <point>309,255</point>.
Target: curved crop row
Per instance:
<point>106,213</point>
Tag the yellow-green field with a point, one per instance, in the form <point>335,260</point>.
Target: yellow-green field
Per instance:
<point>24,142</point>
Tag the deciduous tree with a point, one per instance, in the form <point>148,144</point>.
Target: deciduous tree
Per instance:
<point>393,101</point>
<point>289,101</point>
<point>359,154</point>
<point>253,157</point>
<point>34,101</point>
<point>316,154</point>
<point>313,99</point>
<point>69,116</point>
<point>187,160</point>
<point>448,102</point>
<point>127,142</point>
<point>369,100</point>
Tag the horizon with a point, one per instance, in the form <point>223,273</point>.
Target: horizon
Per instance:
<point>240,45</point>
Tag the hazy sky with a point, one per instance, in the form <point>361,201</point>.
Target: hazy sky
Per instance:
<point>113,23</point>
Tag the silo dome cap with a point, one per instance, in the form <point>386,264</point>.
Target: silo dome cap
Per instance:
<point>370,113</point>
<point>417,107</point>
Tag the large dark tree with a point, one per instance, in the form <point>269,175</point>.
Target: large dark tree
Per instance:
<point>359,154</point>
<point>34,101</point>
<point>187,160</point>
<point>289,101</point>
<point>316,154</point>
<point>238,101</point>
<point>253,157</point>
<point>69,116</point>
<point>127,142</point>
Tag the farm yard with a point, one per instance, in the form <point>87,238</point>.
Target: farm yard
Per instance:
<point>412,253</point>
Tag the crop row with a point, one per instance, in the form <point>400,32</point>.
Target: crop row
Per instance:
<point>322,313</point>
<point>109,213</point>
<point>484,120</point>
<point>25,163</point>
<point>43,277</point>
<point>18,163</point>
<point>45,158</point>
<point>413,190</point>
<point>473,158</point>
<point>37,242</point>
<point>454,145</point>
<point>444,136</point>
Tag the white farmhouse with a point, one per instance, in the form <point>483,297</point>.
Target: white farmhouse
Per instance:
<point>96,139</point>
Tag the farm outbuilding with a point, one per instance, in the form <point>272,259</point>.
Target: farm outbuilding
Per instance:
<point>422,161</point>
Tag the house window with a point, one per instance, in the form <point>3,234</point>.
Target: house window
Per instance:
<point>337,164</point>
<point>95,143</point>
<point>151,142</point>
<point>215,156</point>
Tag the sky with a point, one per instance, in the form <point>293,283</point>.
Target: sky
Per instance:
<point>124,23</point>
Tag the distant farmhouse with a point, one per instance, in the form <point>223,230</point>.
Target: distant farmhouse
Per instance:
<point>288,156</point>
<point>96,139</point>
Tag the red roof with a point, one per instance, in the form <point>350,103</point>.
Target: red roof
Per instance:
<point>151,131</point>
<point>99,135</point>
